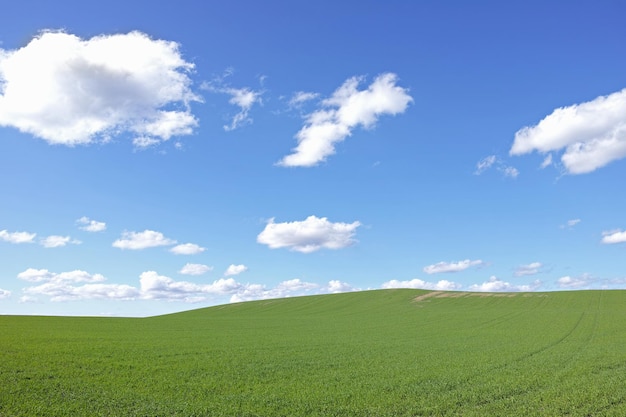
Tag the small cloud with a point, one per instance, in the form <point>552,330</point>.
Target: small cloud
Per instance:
<point>187,249</point>
<point>142,240</point>
<point>492,161</point>
<point>570,224</point>
<point>496,285</point>
<point>614,236</point>
<point>345,110</point>
<point>336,286</point>
<point>451,266</point>
<point>547,161</point>
<point>235,270</point>
<point>530,269</point>
<point>584,280</point>
<point>17,237</point>
<point>58,241</point>
<point>195,269</point>
<point>89,225</point>
<point>4,294</point>
<point>308,235</point>
<point>301,97</point>
<point>484,164</point>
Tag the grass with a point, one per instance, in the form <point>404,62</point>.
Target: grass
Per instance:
<point>373,353</point>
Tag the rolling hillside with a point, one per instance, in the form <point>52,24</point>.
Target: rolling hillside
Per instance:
<point>372,353</point>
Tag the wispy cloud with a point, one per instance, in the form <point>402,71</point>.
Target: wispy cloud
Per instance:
<point>529,269</point>
<point>492,161</point>
<point>345,110</point>
<point>109,85</point>
<point>570,224</point>
<point>592,134</point>
<point>451,266</point>
<point>582,281</point>
<point>308,235</point>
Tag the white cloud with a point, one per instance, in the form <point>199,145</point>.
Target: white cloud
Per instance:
<point>108,85</point>
<point>288,288</point>
<point>4,294</point>
<point>492,161</point>
<point>235,270</point>
<point>451,266</point>
<point>142,240</point>
<point>301,97</point>
<point>17,237</point>
<point>575,282</point>
<point>530,269</point>
<point>547,161</point>
<point>195,269</point>
<point>309,235</point>
<point>484,164</point>
<point>496,285</point>
<point>336,286</point>
<point>442,285</point>
<point>592,133</point>
<point>346,109</point>
<point>244,98</point>
<point>89,225</point>
<point>187,249</point>
<point>570,223</point>
<point>614,236</point>
<point>58,241</point>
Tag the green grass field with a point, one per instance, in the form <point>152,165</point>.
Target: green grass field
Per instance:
<point>373,353</point>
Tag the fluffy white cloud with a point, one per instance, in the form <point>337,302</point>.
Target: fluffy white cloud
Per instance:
<point>592,133</point>
<point>346,109</point>
<point>614,236</point>
<point>4,293</point>
<point>530,269</point>
<point>235,270</point>
<point>63,286</point>
<point>575,282</point>
<point>58,241</point>
<point>288,288</point>
<point>17,237</point>
<point>195,269</point>
<point>309,235</point>
<point>451,266</point>
<point>187,249</point>
<point>336,286</point>
<point>142,240</point>
<point>496,285</point>
<point>71,91</point>
<point>89,225</point>
<point>442,285</point>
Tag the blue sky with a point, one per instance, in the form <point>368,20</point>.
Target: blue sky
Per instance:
<point>164,157</point>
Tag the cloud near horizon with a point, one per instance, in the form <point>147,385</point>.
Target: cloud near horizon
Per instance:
<point>109,85</point>
<point>309,235</point>
<point>592,134</point>
<point>442,285</point>
<point>345,110</point>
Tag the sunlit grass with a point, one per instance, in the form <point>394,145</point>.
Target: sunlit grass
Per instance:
<point>375,353</point>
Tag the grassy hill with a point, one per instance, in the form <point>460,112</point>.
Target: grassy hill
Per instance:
<point>372,353</point>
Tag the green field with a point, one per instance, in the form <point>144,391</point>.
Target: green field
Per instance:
<point>372,353</point>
